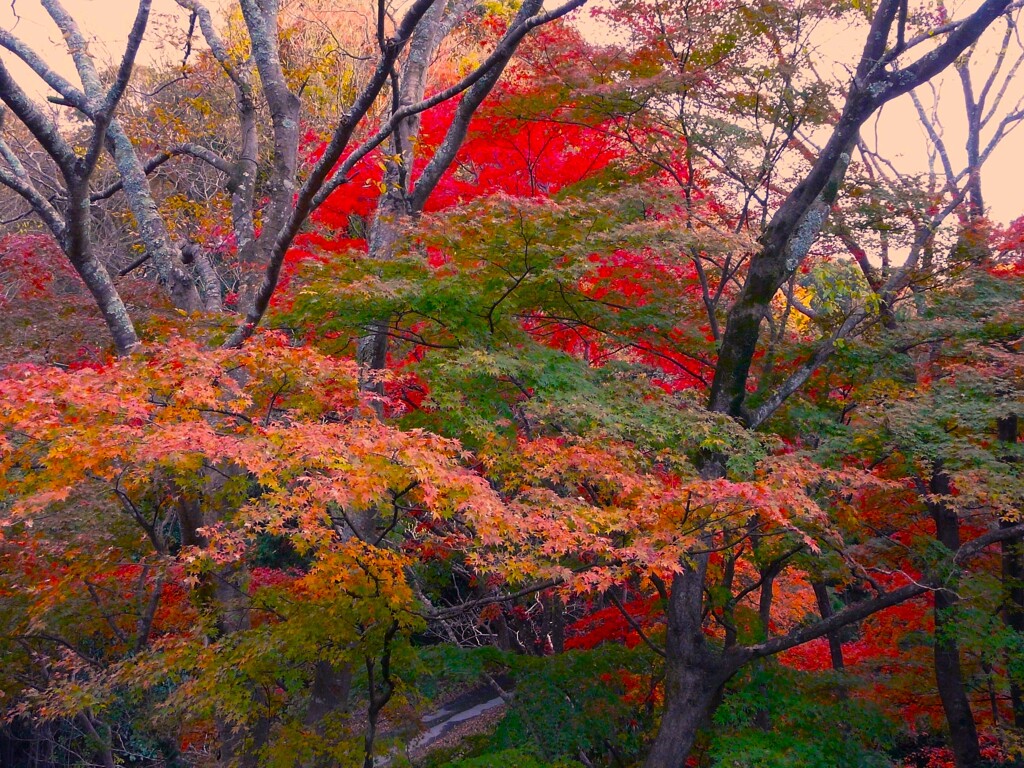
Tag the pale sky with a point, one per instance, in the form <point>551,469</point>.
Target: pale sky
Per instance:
<point>106,23</point>
<point>900,135</point>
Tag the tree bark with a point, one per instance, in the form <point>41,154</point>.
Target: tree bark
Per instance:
<point>956,705</point>
<point>329,692</point>
<point>262,24</point>
<point>691,671</point>
<point>100,742</point>
<point>77,245</point>
<point>835,646</point>
<point>1012,556</point>
<point>167,259</point>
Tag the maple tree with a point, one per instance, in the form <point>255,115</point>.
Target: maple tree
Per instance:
<point>524,399</point>
<point>258,73</point>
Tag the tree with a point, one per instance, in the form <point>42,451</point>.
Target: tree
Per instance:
<point>484,309</point>
<point>158,544</point>
<point>561,313</point>
<point>70,226</point>
<point>284,213</point>
<point>693,674</point>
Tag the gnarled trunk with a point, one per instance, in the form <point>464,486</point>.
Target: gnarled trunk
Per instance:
<point>693,674</point>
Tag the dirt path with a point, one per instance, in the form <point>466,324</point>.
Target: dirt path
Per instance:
<point>455,720</point>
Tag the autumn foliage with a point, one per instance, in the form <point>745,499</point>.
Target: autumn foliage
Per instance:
<point>266,546</point>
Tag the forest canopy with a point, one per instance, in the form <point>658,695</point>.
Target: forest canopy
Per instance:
<point>444,383</point>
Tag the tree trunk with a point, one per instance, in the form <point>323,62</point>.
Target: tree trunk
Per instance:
<point>262,24</point>
<point>1013,577</point>
<point>835,647</point>
<point>796,224</point>
<point>243,182</point>
<point>554,609</point>
<point>224,593</point>
<point>329,692</point>
<point>394,209</point>
<point>77,245</point>
<point>686,710</point>
<point>948,674</point>
<point>165,257</point>
<point>100,742</point>
<point>692,673</point>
